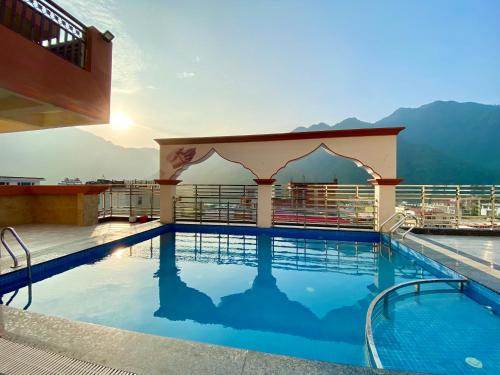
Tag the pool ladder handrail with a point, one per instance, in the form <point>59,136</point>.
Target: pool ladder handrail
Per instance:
<point>384,295</point>
<point>390,218</point>
<point>23,246</point>
<point>400,222</point>
<point>16,263</point>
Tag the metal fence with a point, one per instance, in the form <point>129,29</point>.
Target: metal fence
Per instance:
<point>452,206</point>
<point>130,200</point>
<point>339,206</point>
<point>216,203</point>
<point>48,25</point>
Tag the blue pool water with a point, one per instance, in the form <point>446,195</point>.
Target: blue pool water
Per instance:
<point>304,297</point>
<point>440,332</point>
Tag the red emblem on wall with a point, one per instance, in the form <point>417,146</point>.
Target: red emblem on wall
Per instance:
<point>181,156</point>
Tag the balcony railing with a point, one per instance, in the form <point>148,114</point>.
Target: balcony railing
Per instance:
<point>338,206</point>
<point>48,25</point>
<point>452,206</point>
<point>216,203</point>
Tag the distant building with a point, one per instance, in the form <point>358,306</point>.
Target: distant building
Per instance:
<point>103,181</point>
<point>312,194</point>
<point>307,194</point>
<point>71,181</point>
<point>20,181</point>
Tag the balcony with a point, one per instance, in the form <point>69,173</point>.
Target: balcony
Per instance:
<point>55,70</point>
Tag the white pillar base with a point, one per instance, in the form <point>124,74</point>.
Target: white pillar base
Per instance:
<point>265,203</point>
<point>385,201</point>
<point>167,196</point>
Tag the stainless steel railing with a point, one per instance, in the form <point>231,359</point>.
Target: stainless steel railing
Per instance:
<point>331,205</point>
<point>16,263</point>
<point>435,206</point>
<point>384,297</point>
<point>23,246</point>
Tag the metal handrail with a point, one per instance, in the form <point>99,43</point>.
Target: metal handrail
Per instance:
<point>23,245</point>
<point>409,230</point>
<point>384,296</point>
<point>390,218</point>
<point>396,226</point>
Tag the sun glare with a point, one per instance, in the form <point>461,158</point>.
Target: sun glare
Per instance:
<point>120,121</point>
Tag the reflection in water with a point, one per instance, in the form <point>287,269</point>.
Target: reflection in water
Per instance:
<point>263,307</point>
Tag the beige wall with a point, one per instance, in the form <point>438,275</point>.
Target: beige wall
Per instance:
<point>78,209</point>
<point>376,154</point>
<point>15,210</point>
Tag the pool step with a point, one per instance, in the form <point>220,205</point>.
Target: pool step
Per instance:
<point>19,359</point>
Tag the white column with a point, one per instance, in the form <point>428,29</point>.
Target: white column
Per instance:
<point>167,195</point>
<point>385,200</point>
<point>264,203</point>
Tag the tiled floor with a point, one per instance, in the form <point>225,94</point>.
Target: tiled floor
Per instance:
<point>47,242</point>
<point>485,248</point>
<point>41,236</point>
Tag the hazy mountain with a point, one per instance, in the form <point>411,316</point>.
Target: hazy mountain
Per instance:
<point>444,142</point>
<point>468,132</point>
<point>69,152</point>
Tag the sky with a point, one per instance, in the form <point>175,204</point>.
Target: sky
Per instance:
<point>202,68</point>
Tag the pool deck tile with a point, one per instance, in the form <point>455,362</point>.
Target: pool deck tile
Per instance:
<point>149,354</point>
<point>479,272</point>
<point>485,249</point>
<point>47,242</point>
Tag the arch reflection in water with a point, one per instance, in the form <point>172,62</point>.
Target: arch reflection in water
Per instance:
<point>348,276</point>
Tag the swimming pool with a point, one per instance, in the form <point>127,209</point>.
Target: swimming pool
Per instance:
<point>298,293</point>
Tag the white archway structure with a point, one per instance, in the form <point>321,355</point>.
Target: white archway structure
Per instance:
<point>265,154</point>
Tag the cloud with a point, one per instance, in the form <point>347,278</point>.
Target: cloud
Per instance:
<point>127,54</point>
<point>185,75</point>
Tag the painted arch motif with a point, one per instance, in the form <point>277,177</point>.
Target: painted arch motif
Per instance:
<point>261,160</point>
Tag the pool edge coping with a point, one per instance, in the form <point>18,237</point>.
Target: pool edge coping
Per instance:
<point>151,354</point>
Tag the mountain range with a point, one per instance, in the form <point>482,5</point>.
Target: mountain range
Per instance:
<point>69,152</point>
<point>443,143</point>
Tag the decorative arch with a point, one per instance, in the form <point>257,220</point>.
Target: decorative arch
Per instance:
<point>205,157</point>
<point>358,163</point>
<point>265,155</point>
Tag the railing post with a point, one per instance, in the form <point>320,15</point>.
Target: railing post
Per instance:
<point>227,213</point>
<point>104,204</point>
<point>325,204</point>
<point>338,215</point>
<point>200,212</point>
<point>195,200</point>
<point>152,202</point>
<point>219,202</point>
<point>130,201</point>
<point>356,205</point>
<point>245,202</point>
<point>458,209</point>
<point>422,206</point>
<point>111,201</point>
<point>493,207</point>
